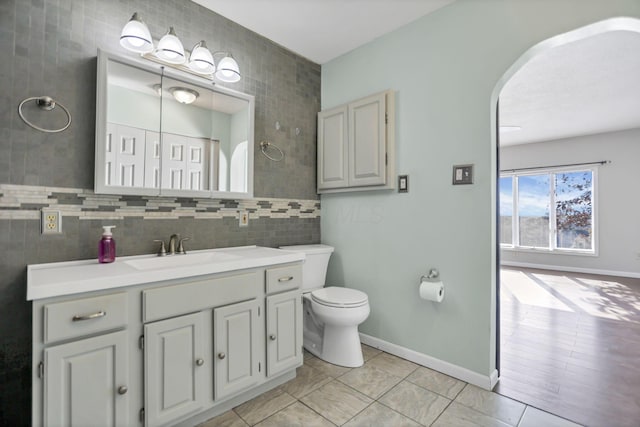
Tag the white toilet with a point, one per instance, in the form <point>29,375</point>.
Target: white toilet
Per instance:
<point>331,314</point>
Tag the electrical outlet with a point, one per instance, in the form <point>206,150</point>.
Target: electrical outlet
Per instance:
<point>51,221</point>
<point>243,218</point>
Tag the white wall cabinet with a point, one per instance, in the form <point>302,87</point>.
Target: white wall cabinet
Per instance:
<point>284,332</point>
<point>356,145</point>
<point>86,382</point>
<point>175,380</point>
<point>174,353</point>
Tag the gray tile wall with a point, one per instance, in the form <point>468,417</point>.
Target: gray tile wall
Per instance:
<point>52,51</point>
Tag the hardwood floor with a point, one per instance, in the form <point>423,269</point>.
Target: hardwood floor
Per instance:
<point>570,345</point>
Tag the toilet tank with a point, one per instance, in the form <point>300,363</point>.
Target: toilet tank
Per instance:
<point>314,268</point>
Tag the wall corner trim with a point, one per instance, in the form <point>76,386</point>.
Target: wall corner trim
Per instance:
<point>486,382</point>
<point>615,273</point>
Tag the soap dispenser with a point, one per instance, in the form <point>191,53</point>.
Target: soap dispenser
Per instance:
<point>107,246</point>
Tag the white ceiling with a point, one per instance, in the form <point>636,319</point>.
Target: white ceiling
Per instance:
<point>585,87</point>
<point>581,88</point>
<point>321,30</point>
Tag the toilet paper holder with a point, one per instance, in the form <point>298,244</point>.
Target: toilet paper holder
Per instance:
<point>432,274</point>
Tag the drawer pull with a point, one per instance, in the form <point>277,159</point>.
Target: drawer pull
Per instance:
<point>123,389</point>
<point>199,362</point>
<point>221,355</point>
<point>89,316</point>
<point>285,279</point>
<point>272,337</point>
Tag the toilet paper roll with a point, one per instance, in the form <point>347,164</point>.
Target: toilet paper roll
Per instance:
<point>432,291</point>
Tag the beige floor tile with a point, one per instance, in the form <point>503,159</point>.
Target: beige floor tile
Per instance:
<point>491,404</point>
<point>370,380</point>
<point>535,418</point>
<point>436,382</point>
<point>369,352</point>
<point>380,415</point>
<point>296,415</point>
<point>457,415</point>
<point>228,419</point>
<point>336,402</point>
<point>415,402</point>
<point>307,355</point>
<point>393,365</point>
<point>307,379</point>
<point>327,368</point>
<point>263,406</point>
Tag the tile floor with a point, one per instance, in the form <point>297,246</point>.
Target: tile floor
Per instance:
<point>386,391</point>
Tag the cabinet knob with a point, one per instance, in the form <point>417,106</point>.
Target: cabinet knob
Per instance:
<point>123,389</point>
<point>272,337</point>
<point>199,362</point>
<point>221,355</point>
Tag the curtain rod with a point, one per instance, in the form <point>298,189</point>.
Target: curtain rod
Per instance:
<point>601,162</point>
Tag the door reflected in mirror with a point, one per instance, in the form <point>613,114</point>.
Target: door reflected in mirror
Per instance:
<point>160,133</point>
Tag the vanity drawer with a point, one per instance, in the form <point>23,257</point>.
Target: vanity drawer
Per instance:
<point>175,300</point>
<point>284,278</point>
<point>85,316</point>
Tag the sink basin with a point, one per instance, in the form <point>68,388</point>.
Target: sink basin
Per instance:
<point>177,261</point>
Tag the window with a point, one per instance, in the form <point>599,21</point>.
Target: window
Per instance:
<point>548,210</point>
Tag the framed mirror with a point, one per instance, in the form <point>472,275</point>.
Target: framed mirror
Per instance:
<point>162,132</point>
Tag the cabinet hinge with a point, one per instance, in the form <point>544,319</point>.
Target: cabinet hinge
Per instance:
<point>41,370</point>
<point>142,415</point>
<point>259,367</point>
<point>141,342</point>
<point>386,159</point>
<point>386,118</point>
<point>258,311</point>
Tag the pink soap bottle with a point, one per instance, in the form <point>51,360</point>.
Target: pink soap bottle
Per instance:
<point>107,246</point>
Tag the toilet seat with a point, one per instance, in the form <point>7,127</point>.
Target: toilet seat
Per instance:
<point>334,296</point>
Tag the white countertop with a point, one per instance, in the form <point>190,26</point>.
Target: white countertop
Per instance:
<point>65,278</point>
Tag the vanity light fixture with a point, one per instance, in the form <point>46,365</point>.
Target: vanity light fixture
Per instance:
<point>170,48</point>
<point>137,38</point>
<point>184,95</point>
<point>201,59</point>
<point>228,70</point>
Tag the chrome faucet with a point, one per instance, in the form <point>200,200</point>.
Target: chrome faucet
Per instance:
<point>173,241</point>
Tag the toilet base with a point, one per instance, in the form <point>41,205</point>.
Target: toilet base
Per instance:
<point>341,346</point>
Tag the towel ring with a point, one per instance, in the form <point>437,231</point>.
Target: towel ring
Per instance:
<point>45,103</point>
<point>263,147</point>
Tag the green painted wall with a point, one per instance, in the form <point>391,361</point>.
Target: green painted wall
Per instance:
<point>444,69</point>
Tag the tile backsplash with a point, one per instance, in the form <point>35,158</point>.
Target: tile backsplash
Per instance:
<point>53,46</point>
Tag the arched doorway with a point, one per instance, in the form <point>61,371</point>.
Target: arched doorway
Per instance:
<point>583,399</point>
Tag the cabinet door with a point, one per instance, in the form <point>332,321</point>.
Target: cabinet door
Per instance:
<point>284,332</point>
<point>332,148</point>
<point>85,382</point>
<point>174,356</point>
<point>367,141</point>
<point>236,330</point>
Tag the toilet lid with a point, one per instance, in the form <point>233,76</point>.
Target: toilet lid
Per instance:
<point>339,297</point>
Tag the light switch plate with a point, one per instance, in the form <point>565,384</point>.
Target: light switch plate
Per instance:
<point>243,218</point>
<point>403,183</point>
<point>462,174</point>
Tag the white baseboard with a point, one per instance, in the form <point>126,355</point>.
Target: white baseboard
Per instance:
<point>616,273</point>
<point>463,374</point>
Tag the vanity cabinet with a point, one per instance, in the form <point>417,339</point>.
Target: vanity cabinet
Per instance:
<point>86,382</point>
<point>236,352</point>
<point>174,373</point>
<point>170,353</point>
<point>356,145</point>
<point>284,332</point>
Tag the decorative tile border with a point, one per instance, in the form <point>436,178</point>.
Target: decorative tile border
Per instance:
<point>25,202</point>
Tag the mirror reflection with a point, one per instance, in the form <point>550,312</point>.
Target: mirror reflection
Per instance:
<point>167,134</point>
